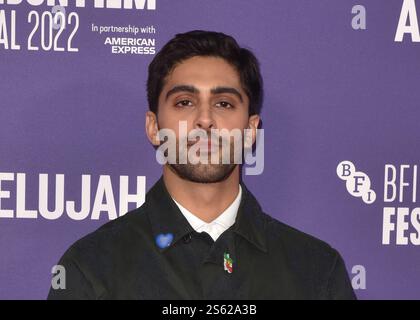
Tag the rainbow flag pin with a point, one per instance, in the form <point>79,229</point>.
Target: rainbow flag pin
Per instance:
<point>227,263</point>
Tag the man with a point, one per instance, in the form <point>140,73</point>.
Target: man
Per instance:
<point>200,233</point>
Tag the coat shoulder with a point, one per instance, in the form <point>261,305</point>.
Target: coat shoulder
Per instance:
<point>298,245</point>
<point>117,233</point>
<point>314,262</point>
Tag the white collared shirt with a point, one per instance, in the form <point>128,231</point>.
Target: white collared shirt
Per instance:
<point>219,225</point>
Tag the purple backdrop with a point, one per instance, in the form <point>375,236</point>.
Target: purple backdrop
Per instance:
<point>332,93</point>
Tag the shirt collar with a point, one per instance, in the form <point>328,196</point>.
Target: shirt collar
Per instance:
<point>225,220</point>
<point>166,218</point>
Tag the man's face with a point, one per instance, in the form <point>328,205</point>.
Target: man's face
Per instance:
<point>206,93</point>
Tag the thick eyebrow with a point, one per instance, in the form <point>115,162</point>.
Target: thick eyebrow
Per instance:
<point>220,90</point>
<point>194,90</point>
<point>181,88</point>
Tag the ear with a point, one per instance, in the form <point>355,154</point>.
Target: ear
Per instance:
<point>253,122</point>
<point>151,127</point>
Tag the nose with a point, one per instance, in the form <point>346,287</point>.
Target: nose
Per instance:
<point>204,119</point>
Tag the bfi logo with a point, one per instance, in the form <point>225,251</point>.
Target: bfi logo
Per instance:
<point>357,182</point>
<point>400,223</point>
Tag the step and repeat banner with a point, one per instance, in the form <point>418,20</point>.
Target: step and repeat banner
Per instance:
<point>340,118</point>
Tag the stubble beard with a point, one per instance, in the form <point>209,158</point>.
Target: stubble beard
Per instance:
<point>205,172</point>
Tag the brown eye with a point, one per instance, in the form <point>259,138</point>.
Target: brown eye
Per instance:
<point>224,104</point>
<point>183,103</point>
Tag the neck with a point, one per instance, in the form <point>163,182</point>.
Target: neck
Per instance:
<point>205,200</point>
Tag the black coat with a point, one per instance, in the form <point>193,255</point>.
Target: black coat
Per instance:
<point>122,259</point>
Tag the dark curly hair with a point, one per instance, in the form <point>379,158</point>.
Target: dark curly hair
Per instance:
<point>206,43</point>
